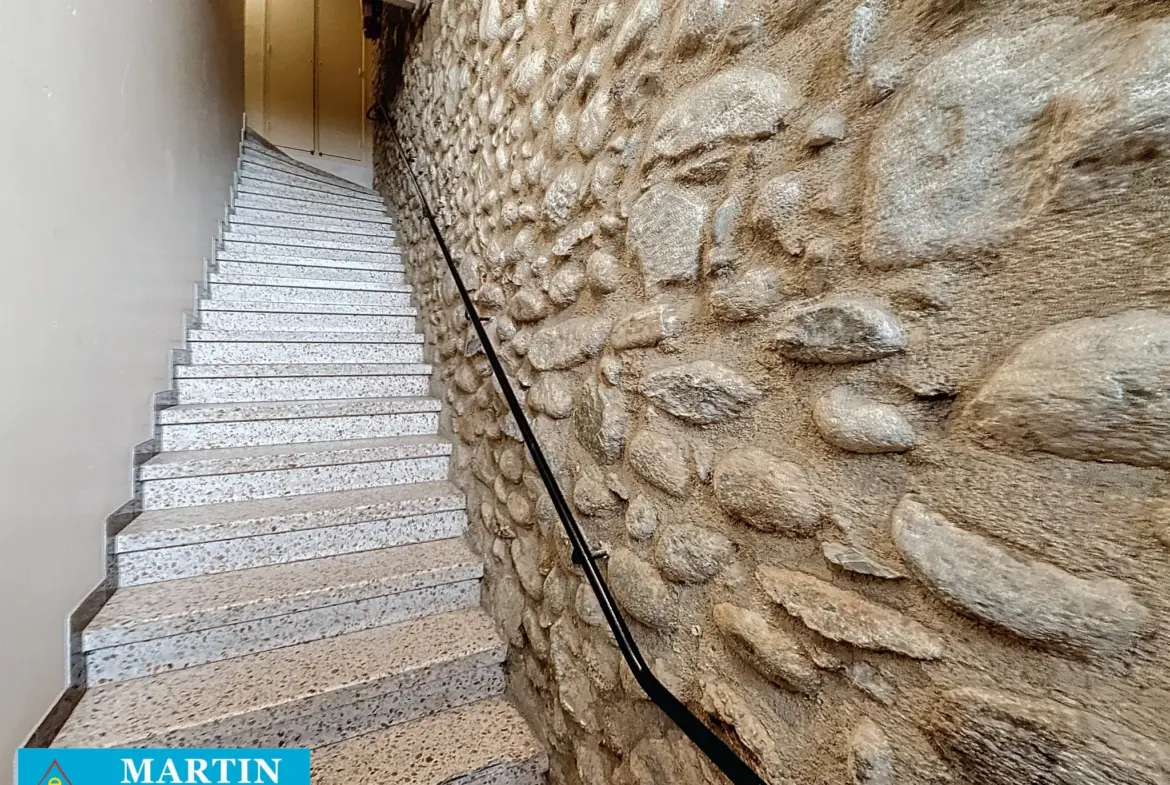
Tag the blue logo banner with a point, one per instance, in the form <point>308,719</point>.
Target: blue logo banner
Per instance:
<point>161,767</point>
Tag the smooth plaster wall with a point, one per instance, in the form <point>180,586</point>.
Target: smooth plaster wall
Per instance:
<point>120,123</point>
<point>846,328</point>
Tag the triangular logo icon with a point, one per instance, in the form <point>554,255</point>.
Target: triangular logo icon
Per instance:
<point>54,776</point>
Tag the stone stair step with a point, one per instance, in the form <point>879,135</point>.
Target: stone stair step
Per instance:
<point>255,172</point>
<point>249,424</point>
<point>195,477</point>
<point>311,272</point>
<point>244,248</point>
<point>306,322</point>
<point>310,261</point>
<point>311,694</point>
<point>304,294</point>
<point>240,347</point>
<point>252,201</point>
<point>284,191</point>
<point>169,544</point>
<point>158,627</point>
<point>298,384</point>
<point>271,306</point>
<point>310,282</point>
<point>284,163</point>
<point>476,744</point>
<point>275,218</point>
<point>310,238</point>
<point>227,371</point>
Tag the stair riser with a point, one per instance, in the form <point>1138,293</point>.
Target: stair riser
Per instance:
<point>297,294</point>
<point>254,433</point>
<point>204,352</point>
<point>348,712</point>
<point>267,160</point>
<point>307,283</point>
<point>309,238</point>
<point>262,188</point>
<point>137,568</point>
<point>160,655</point>
<point>302,388</point>
<point>309,322</point>
<point>306,207</point>
<point>312,272</point>
<point>266,174</point>
<point>242,216</point>
<point>383,238</point>
<point>190,491</point>
<point>251,249</point>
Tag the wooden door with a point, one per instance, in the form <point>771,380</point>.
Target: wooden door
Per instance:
<point>340,79</point>
<point>289,70</point>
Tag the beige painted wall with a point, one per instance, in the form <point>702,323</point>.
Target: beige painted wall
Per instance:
<point>121,119</point>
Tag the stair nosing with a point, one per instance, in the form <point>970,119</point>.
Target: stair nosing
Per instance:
<point>431,498</point>
<point>458,565</point>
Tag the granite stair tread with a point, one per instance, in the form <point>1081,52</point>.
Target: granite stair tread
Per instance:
<point>262,172</point>
<point>253,371</point>
<point>281,219</point>
<point>308,308</point>
<point>200,463</point>
<point>299,336</point>
<point>308,283</point>
<point>154,529</point>
<point>309,258</point>
<point>293,410</point>
<point>292,166</point>
<point>307,207</point>
<point>138,711</point>
<point>482,742</point>
<point>264,247</point>
<point>314,272</point>
<point>168,608</point>
<point>284,190</point>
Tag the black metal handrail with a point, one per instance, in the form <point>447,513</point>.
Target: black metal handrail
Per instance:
<point>732,766</point>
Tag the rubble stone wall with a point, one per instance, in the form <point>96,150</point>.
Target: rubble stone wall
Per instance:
<point>847,331</point>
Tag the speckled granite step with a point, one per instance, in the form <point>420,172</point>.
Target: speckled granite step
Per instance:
<point>311,694</point>
<point>270,306</point>
<point>231,268</point>
<point>254,423</point>
<point>312,282</point>
<point>250,171</point>
<point>269,292</point>
<point>196,477</point>
<point>308,207</point>
<point>165,626</point>
<point>240,383</point>
<point>483,743</point>
<point>238,248</point>
<point>167,544</point>
<point>305,322</point>
<point>289,165</point>
<point>266,188</point>
<point>310,238</point>
<point>311,260</point>
<point>240,347</point>
<point>275,218</point>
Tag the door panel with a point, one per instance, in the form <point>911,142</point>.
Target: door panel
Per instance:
<point>288,72</point>
<point>340,84</point>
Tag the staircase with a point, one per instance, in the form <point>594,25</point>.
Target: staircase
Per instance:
<point>297,575</point>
